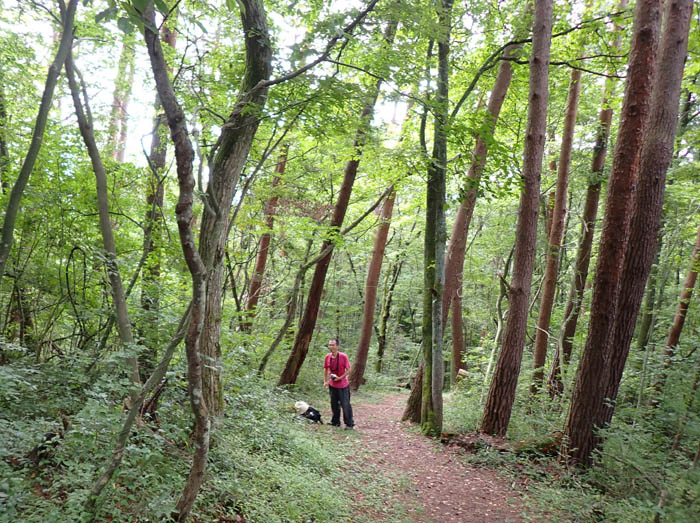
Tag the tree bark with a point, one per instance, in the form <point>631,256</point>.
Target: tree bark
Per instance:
<point>501,395</point>
<point>392,276</point>
<point>4,154</point>
<point>12,209</point>
<point>549,285</point>
<point>264,245</point>
<point>231,152</point>
<point>118,297</point>
<point>184,157</point>
<point>373,272</point>
<point>656,155</point>
<point>588,393</point>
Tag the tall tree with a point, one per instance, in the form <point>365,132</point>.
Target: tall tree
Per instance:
<point>12,209</point>
<point>588,221</point>
<point>119,116</point>
<point>656,155</point>
<point>434,242</point>
<point>499,403</point>
<point>229,157</point>
<point>184,156</point>
<point>588,394</point>
<point>373,272</point>
<point>556,233</point>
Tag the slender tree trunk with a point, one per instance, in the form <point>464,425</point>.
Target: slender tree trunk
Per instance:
<point>4,155</point>
<point>454,266</point>
<point>153,231</point>
<point>264,245</point>
<point>501,396</point>
<point>656,155</point>
<point>184,156</point>
<point>588,220</point>
<point>118,118</point>
<point>549,285</point>
<point>12,209</point>
<point>434,244</point>
<point>392,276</point>
<point>674,333</point>
<point>588,393</point>
<point>231,152</point>
<point>118,297</point>
<point>373,272</point>
<point>647,322</point>
<point>412,411</point>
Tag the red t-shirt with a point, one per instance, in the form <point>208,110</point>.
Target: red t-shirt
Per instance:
<point>337,366</point>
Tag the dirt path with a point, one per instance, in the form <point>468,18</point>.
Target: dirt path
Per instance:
<point>432,481</point>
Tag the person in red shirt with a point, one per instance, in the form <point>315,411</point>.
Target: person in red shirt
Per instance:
<point>336,368</point>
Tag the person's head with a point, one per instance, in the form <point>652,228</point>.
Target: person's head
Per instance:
<point>334,345</point>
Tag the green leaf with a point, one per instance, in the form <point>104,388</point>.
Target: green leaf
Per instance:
<point>107,14</point>
<point>162,6</point>
<point>140,5</point>
<point>125,25</point>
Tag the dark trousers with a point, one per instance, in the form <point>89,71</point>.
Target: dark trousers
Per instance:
<point>340,398</point>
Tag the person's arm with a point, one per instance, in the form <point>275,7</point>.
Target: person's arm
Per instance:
<point>325,375</point>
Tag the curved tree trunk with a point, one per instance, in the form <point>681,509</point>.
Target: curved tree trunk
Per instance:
<point>118,297</point>
<point>184,156</point>
<point>499,402</point>
<point>12,209</point>
<point>656,155</point>
<point>588,393</point>
<point>264,246</point>
<point>549,285</point>
<point>373,272</point>
<point>231,152</point>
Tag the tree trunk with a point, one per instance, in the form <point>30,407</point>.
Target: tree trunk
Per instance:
<point>434,244</point>
<point>118,118</point>
<point>231,152</point>
<point>588,393</point>
<point>588,220</point>
<point>392,276</point>
<point>118,297</point>
<point>501,395</point>
<point>549,285</point>
<point>153,231</point>
<point>184,156</point>
<point>4,155</point>
<point>264,245</point>
<point>454,266</point>
<point>656,155</point>
<point>12,209</point>
<point>373,272</point>
<point>647,322</point>
<point>412,411</point>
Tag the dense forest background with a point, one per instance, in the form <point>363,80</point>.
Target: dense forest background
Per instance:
<point>197,195</point>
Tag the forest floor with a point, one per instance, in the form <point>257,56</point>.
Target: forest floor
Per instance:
<point>429,481</point>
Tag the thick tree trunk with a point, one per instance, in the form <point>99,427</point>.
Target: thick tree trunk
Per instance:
<point>501,395</point>
<point>656,155</point>
<point>12,209</point>
<point>434,245</point>
<point>264,246</point>
<point>184,156</point>
<point>373,272</point>
<point>454,260</point>
<point>549,285</point>
<point>313,302</point>
<point>118,118</point>
<point>588,393</point>
<point>118,297</point>
<point>231,152</point>
<point>412,411</point>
